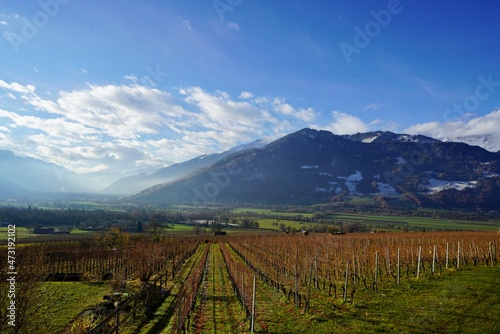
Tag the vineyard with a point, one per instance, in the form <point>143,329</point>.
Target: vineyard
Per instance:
<point>276,283</point>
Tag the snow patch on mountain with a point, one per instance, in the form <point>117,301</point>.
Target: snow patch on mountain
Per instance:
<point>369,140</point>
<point>351,181</point>
<point>440,185</point>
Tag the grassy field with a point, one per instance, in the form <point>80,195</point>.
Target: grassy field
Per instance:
<point>456,302</point>
<point>67,300</point>
<point>465,301</point>
<point>21,232</point>
<point>385,222</point>
<point>368,222</point>
<point>217,308</point>
<point>271,212</point>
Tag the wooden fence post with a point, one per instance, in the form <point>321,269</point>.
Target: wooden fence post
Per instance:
<point>117,323</point>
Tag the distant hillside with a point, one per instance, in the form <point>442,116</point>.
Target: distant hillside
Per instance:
<point>22,175</point>
<point>312,166</point>
<point>136,183</point>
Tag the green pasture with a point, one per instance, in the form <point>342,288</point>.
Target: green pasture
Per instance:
<point>374,222</point>
<point>267,223</point>
<point>398,222</point>
<point>269,212</point>
<point>21,232</point>
<point>58,303</point>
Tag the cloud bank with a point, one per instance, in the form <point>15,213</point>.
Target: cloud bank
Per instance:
<point>130,127</point>
<point>472,130</point>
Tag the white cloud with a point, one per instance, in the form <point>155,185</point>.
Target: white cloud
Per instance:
<point>478,126</point>
<point>15,87</point>
<point>130,127</point>
<point>245,95</point>
<point>219,111</point>
<point>11,96</point>
<point>132,78</point>
<point>306,115</point>
<point>372,106</point>
<point>4,23</point>
<point>233,26</point>
<point>117,111</point>
<point>346,124</point>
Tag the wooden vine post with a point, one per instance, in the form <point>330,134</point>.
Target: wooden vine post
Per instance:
<point>306,307</point>
<point>447,250</point>
<point>434,260</point>
<point>376,271</point>
<point>418,261</point>
<point>399,270</point>
<point>346,280</point>
<point>253,307</point>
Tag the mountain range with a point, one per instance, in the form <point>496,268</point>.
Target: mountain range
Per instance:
<point>312,166</point>
<point>24,176</point>
<point>305,167</point>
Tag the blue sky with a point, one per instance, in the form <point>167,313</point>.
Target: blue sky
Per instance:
<point>127,85</point>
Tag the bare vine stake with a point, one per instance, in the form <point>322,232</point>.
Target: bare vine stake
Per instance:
<point>447,249</point>
<point>458,256</point>
<point>316,282</point>
<point>346,280</point>
<point>376,270</point>
<point>179,315</point>
<point>494,251</point>
<point>253,307</point>
<point>388,258</point>
<point>243,288</point>
<point>353,271</point>
<point>433,259</point>
<point>359,269</point>
<point>277,276</point>
<point>398,268</point>
<point>491,253</point>
<point>296,283</point>
<point>309,291</point>
<point>418,261</point>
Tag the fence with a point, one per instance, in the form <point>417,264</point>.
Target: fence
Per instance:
<point>119,316</point>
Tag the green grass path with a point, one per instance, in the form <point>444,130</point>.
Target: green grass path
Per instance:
<point>217,308</point>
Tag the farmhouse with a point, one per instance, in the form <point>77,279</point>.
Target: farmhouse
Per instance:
<point>44,230</point>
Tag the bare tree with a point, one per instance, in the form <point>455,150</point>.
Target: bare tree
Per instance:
<point>30,292</point>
